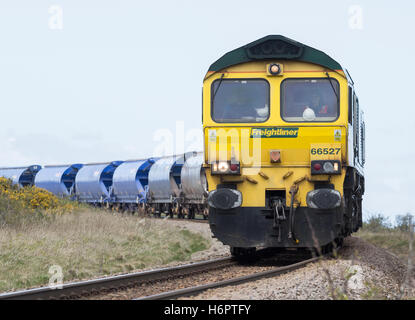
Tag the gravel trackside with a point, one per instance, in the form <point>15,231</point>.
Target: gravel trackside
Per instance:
<point>361,271</point>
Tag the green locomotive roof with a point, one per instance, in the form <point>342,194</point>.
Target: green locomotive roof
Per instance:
<point>275,47</point>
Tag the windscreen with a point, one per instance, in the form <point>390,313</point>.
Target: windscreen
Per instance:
<point>304,100</point>
<point>238,100</point>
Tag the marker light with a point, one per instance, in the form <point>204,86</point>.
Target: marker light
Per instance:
<point>226,167</point>
<point>274,69</point>
<point>326,167</point>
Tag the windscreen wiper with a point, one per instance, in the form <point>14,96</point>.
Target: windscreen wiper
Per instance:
<point>217,88</point>
<point>328,77</point>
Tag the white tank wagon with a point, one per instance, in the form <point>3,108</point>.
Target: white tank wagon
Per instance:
<point>22,176</point>
<point>164,185</point>
<point>194,186</point>
<point>130,184</point>
<point>59,179</point>
<point>93,183</point>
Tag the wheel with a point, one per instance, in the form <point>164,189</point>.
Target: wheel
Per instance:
<point>180,215</point>
<point>157,211</point>
<point>243,254</point>
<point>332,248</point>
<point>141,211</point>
<point>205,213</point>
<point>190,213</point>
<point>339,242</point>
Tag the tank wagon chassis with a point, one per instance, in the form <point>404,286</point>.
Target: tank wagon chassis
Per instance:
<point>177,186</point>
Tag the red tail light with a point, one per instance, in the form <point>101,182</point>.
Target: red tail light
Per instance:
<point>234,167</point>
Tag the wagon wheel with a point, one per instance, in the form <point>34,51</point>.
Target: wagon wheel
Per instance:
<point>180,213</point>
<point>141,211</point>
<point>191,214</point>
<point>205,213</point>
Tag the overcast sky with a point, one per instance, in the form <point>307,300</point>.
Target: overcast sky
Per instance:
<point>86,81</point>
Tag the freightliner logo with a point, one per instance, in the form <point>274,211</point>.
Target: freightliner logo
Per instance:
<point>274,133</point>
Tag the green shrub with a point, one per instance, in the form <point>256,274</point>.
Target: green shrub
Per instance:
<point>26,205</point>
<point>376,223</point>
<point>403,222</point>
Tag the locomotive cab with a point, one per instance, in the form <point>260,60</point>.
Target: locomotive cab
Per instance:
<point>284,147</point>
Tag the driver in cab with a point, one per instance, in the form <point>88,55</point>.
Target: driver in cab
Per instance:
<point>317,106</point>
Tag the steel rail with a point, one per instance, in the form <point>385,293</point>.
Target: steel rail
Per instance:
<point>252,277</point>
<point>197,220</point>
<point>81,288</point>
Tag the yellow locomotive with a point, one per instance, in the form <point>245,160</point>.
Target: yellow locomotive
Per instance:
<point>284,142</point>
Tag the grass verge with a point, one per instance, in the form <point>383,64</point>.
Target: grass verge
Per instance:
<point>379,231</point>
<point>395,241</point>
<point>87,244</point>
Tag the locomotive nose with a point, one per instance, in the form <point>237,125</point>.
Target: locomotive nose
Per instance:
<point>225,199</point>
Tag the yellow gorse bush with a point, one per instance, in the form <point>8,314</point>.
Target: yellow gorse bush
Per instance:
<point>34,199</point>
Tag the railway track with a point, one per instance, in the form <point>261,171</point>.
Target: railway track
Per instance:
<point>174,294</point>
<point>196,220</point>
<point>84,289</point>
<point>155,284</point>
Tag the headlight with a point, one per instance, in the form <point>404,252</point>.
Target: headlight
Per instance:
<point>328,167</point>
<point>223,166</point>
<point>226,167</point>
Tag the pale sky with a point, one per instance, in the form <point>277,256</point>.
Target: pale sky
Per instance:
<point>87,81</point>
